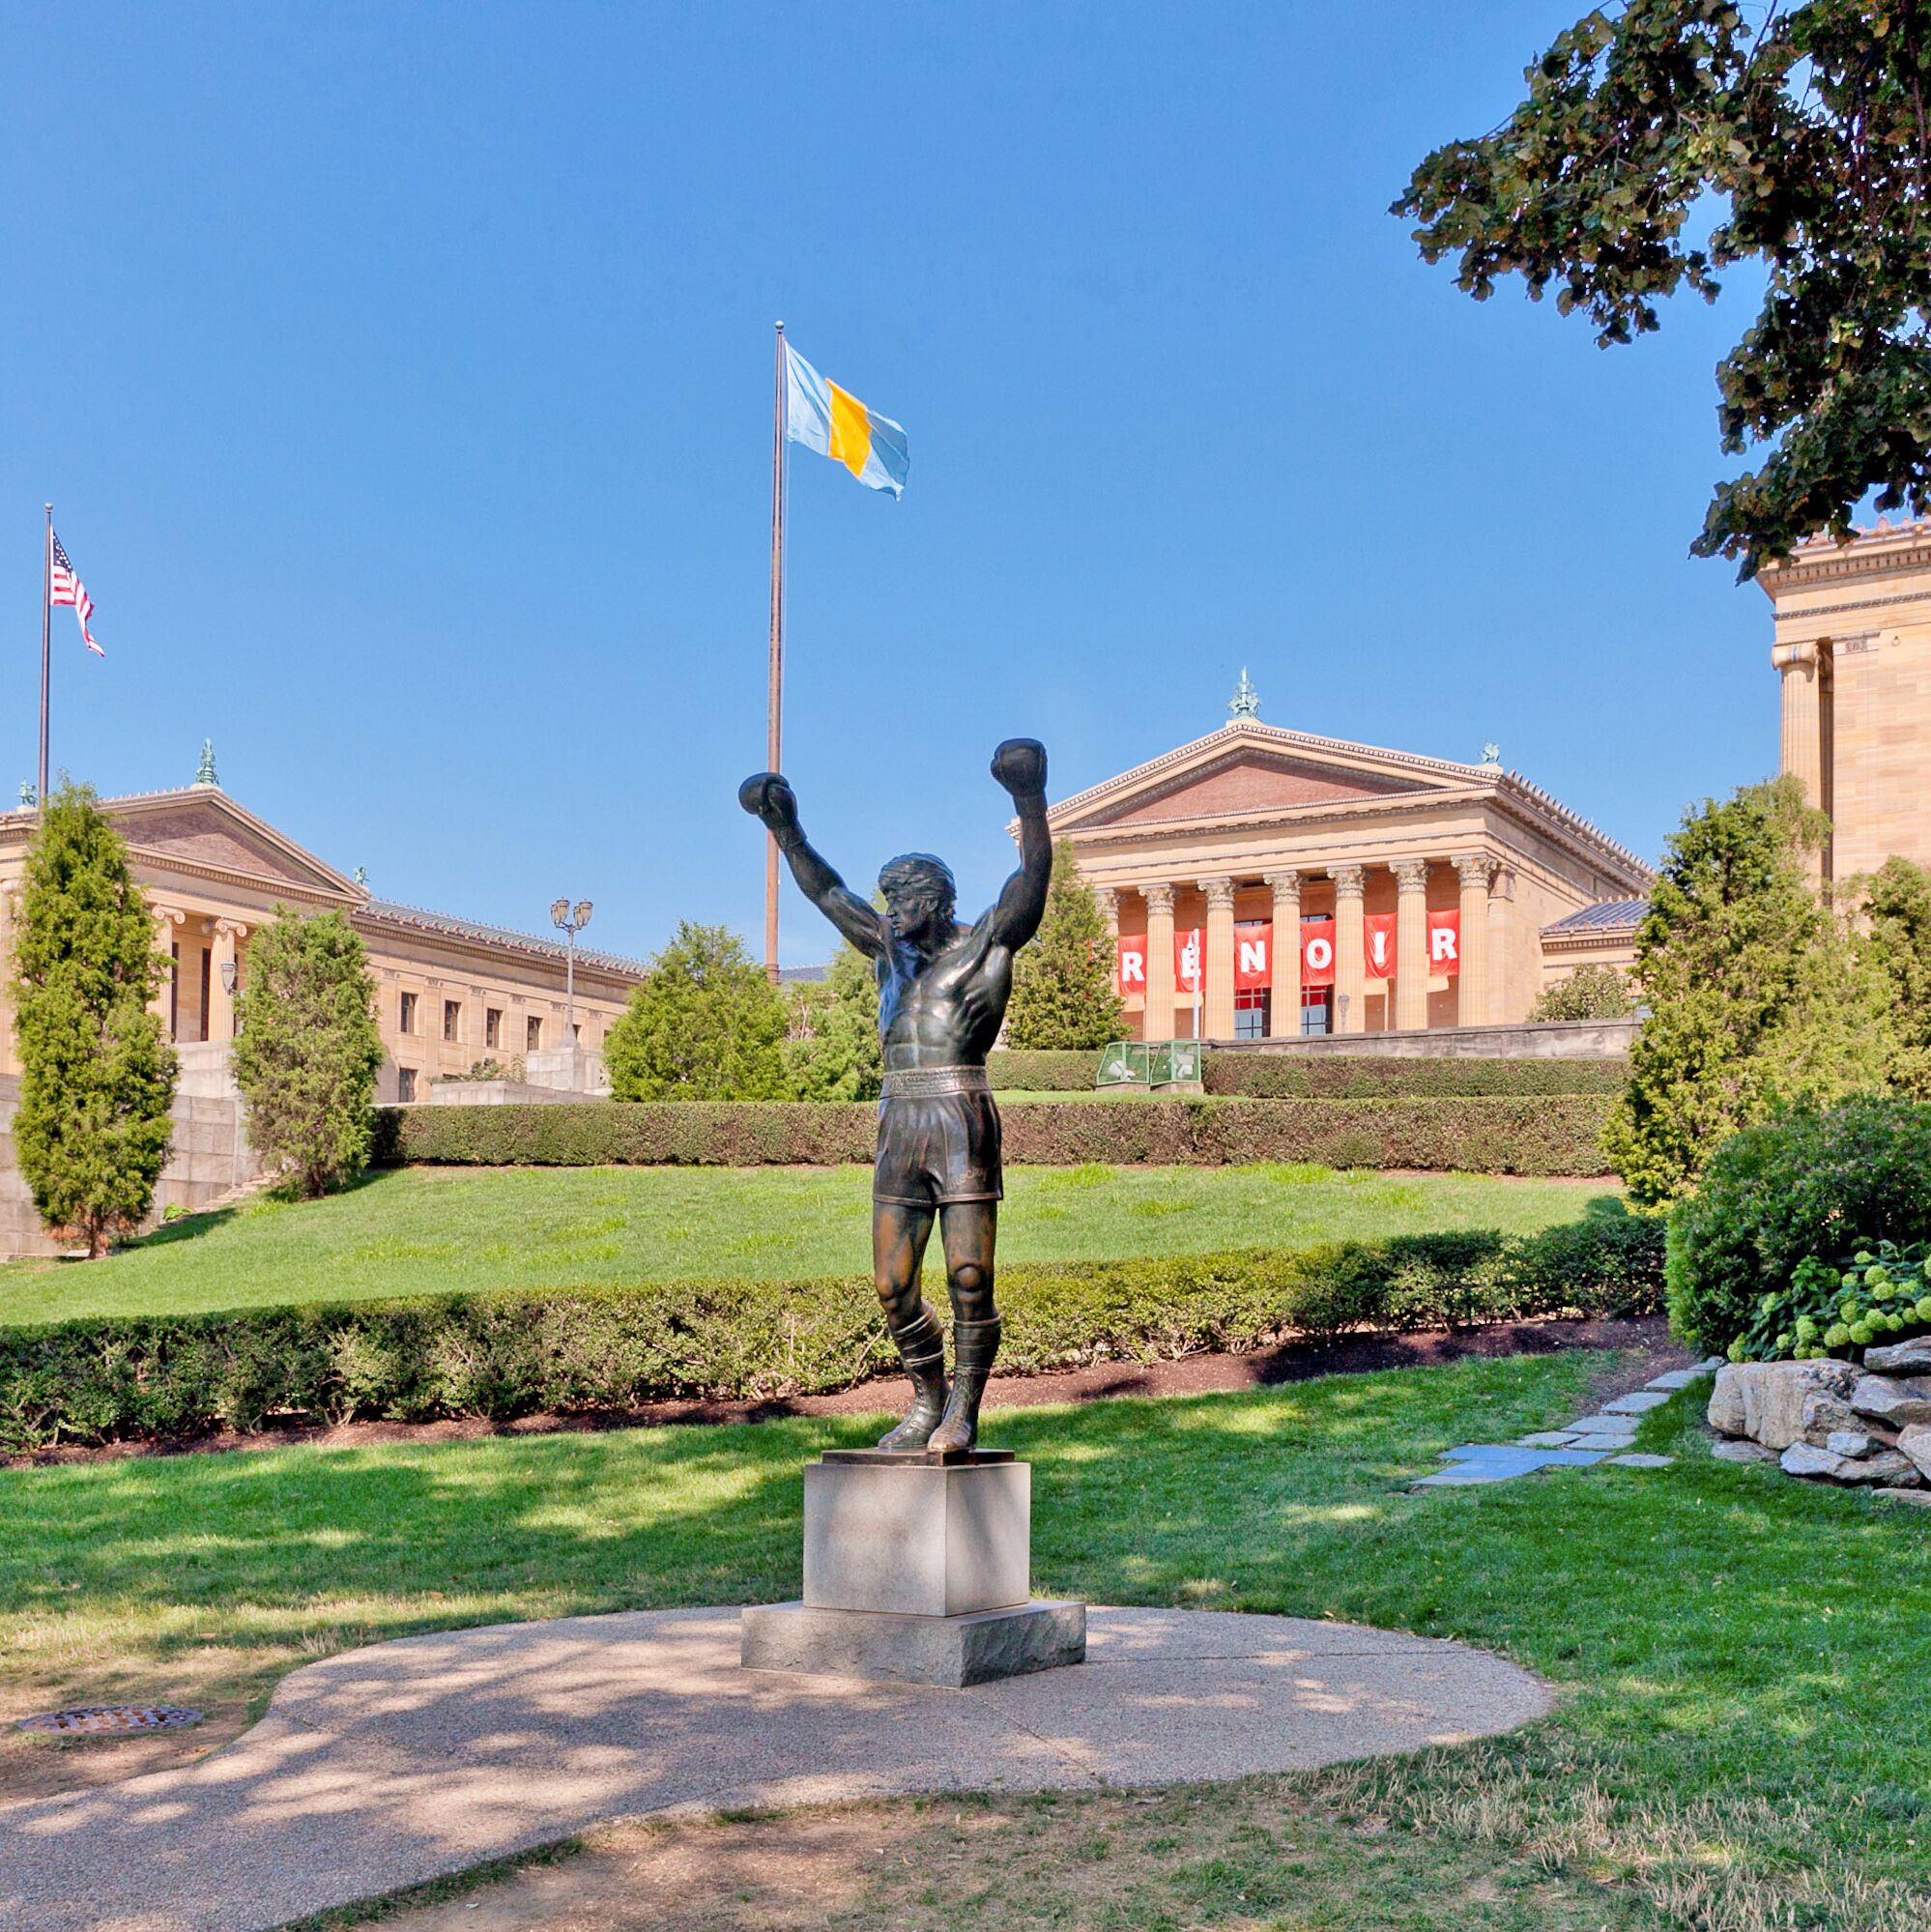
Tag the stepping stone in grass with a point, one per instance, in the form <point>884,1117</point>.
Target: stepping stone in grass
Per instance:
<point>1635,1405</point>
<point>1642,1462</point>
<point>1676,1378</point>
<point>1548,1438</point>
<point>1497,1462</point>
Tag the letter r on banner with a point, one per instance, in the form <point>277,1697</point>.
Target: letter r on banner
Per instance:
<point>1445,943</point>
<point>1131,975</point>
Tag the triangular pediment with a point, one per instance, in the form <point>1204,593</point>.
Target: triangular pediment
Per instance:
<point>206,830</point>
<point>1253,771</point>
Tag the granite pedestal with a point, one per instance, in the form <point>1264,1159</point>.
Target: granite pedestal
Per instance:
<point>917,1569</point>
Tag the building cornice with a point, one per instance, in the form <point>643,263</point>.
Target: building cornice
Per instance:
<point>1880,550</point>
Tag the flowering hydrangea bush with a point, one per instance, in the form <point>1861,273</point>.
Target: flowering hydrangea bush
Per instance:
<point>1879,1294</point>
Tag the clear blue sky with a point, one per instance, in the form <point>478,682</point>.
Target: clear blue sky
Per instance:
<point>402,379</point>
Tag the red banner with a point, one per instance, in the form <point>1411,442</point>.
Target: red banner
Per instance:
<point>1445,943</point>
<point>1377,945</point>
<point>1129,969</point>
<point>1317,952</point>
<point>1254,956</point>
<point>1189,948</point>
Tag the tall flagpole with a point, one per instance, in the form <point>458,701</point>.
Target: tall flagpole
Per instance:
<point>46,655</point>
<point>775,697</point>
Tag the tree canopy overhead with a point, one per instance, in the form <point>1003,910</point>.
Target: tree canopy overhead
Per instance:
<point>1806,124</point>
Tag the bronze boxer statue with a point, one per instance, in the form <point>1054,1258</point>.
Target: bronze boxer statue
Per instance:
<point>943,992</point>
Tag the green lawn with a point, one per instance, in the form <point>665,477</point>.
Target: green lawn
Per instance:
<point>1744,1743</point>
<point>424,1231</point>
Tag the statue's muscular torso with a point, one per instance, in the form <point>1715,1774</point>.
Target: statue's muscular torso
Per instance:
<point>944,1011</point>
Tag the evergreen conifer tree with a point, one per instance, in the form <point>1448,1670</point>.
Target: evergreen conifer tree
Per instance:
<point>833,1051</point>
<point>1898,944</point>
<point>308,1050</point>
<point>1063,991</point>
<point>97,1076</point>
<point>1756,993</point>
<point>705,1026</point>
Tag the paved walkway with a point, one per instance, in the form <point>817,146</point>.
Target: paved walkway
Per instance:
<point>1609,1435</point>
<point>387,1766</point>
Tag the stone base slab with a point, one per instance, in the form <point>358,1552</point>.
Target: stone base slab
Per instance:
<point>886,1645</point>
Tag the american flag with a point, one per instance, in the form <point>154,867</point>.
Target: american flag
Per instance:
<point>68,589</point>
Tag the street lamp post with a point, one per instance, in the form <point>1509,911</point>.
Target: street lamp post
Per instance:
<point>570,920</point>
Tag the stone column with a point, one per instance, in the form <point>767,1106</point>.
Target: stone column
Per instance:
<point>1411,944</point>
<point>1350,962</point>
<point>1217,1014</point>
<point>1471,999</point>
<point>9,912</point>
<point>220,1002</point>
<point>1107,900</point>
<point>1158,1022</point>
<point>167,922</point>
<point>1501,909</point>
<point>1284,1014</point>
<point>1803,669</point>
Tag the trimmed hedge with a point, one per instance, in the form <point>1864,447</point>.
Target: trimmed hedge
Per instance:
<point>1331,1077</point>
<point>1558,1135</point>
<point>1044,1069</point>
<point>1372,1075</point>
<point>505,1354</point>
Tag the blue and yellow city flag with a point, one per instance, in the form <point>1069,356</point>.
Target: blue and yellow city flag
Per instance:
<point>834,422</point>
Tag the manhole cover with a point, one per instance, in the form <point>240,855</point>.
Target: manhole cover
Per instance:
<point>112,1720</point>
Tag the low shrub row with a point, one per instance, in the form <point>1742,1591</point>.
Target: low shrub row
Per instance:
<point>503,1354</point>
<point>1557,1135</point>
<point>1331,1077</point>
<point>1044,1070</point>
<point>1371,1076</point>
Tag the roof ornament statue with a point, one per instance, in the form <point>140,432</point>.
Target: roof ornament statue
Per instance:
<point>30,798</point>
<point>362,877</point>
<point>1492,757</point>
<point>1245,700</point>
<point>204,772</point>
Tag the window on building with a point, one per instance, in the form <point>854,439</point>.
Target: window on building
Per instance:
<point>533,1034</point>
<point>492,1026</point>
<point>405,1014</point>
<point>453,1019</point>
<point>1250,1015</point>
<point>405,1077</point>
<point>1316,1014</point>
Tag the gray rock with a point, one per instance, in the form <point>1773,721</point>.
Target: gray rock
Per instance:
<point>1826,1415</point>
<point>1894,1398</point>
<point>1916,1444</point>
<point>1887,1466</point>
<point>1900,1358</point>
<point>1725,1414</point>
<point>1741,1451</point>
<point>1850,1442</point>
<point>1773,1396</point>
<point>1922,1497</point>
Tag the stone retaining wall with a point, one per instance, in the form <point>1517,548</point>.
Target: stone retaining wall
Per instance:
<point>209,1158</point>
<point>1866,1423</point>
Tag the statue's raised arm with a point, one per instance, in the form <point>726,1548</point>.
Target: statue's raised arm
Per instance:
<point>1019,766</point>
<point>767,797</point>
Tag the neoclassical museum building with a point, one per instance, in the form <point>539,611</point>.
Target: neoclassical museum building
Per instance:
<point>1266,883</point>
<point>449,992</point>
